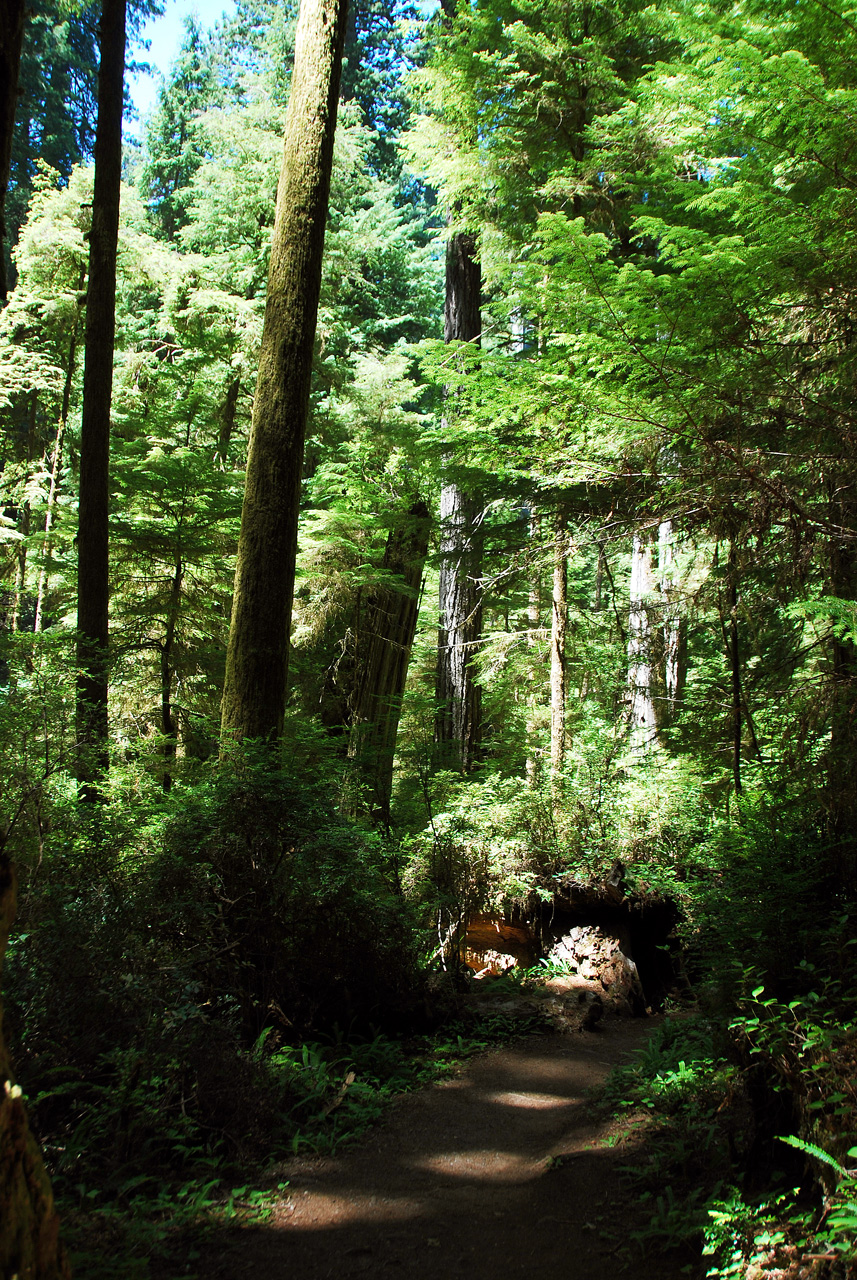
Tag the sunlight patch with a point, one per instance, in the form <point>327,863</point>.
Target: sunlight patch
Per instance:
<point>317,1210</point>
<point>530,1101</point>
<point>486,1166</point>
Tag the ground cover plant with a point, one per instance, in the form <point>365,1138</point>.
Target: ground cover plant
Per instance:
<point>747,1103</point>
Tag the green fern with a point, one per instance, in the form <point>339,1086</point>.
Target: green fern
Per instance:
<point>810,1149</point>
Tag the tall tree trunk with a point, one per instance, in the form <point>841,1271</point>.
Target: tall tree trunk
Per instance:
<point>254,697</point>
<point>92,540</point>
<point>21,566</point>
<point>11,39</point>
<point>640,675</point>
<point>227,419</point>
<point>169,728</point>
<point>458,725</point>
<point>674,656</point>
<point>383,651</point>
<point>56,463</point>
<point>735,667</point>
<point>29,1228</point>
<point>841,771</point>
<point>559,627</point>
<point>534,619</point>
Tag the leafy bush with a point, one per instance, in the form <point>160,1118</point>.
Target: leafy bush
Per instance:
<point>310,930</point>
<point>159,936</point>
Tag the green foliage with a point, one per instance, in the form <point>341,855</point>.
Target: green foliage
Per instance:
<point>379,47</point>
<point>710,1098</point>
<point>58,93</point>
<point>36,745</point>
<point>666,230</point>
<point>159,936</point>
<point>740,1234</point>
<point>173,151</point>
<point>672,1094</point>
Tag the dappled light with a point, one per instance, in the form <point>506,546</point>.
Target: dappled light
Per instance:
<point>453,1176</point>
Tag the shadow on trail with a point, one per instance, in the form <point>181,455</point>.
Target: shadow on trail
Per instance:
<point>501,1172</point>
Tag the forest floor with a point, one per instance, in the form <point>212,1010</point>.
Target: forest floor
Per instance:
<point>505,1170</point>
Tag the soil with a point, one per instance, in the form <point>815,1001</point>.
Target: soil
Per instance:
<point>503,1171</point>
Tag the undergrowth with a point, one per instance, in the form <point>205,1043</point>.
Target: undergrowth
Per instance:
<point>714,1101</point>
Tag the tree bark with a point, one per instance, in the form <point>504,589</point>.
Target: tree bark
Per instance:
<point>29,1228</point>
<point>227,419</point>
<point>534,618</point>
<point>254,696</point>
<point>92,541</point>
<point>458,725</point>
<point>169,728</point>
<point>674,657</point>
<point>559,627</point>
<point>640,678</point>
<point>11,39</point>
<point>735,668</point>
<point>841,772</point>
<point>383,651</point>
<point>56,463</point>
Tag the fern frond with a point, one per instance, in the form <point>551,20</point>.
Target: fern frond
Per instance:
<point>810,1149</point>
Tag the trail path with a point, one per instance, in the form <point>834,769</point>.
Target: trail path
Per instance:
<point>502,1171</point>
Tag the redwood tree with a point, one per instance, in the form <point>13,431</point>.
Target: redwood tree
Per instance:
<point>254,696</point>
<point>11,37</point>
<point>460,597</point>
<point>383,640</point>
<point>92,539</point>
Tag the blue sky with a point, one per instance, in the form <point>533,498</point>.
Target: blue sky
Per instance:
<point>165,34</point>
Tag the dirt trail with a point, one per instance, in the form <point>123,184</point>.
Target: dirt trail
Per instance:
<point>500,1172</point>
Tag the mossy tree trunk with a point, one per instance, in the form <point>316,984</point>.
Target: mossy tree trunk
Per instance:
<point>29,1228</point>
<point>92,538</point>
<point>227,419</point>
<point>254,696</point>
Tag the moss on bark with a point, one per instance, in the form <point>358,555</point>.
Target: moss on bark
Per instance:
<point>254,696</point>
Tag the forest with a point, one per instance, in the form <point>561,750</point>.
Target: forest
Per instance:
<point>445,516</point>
